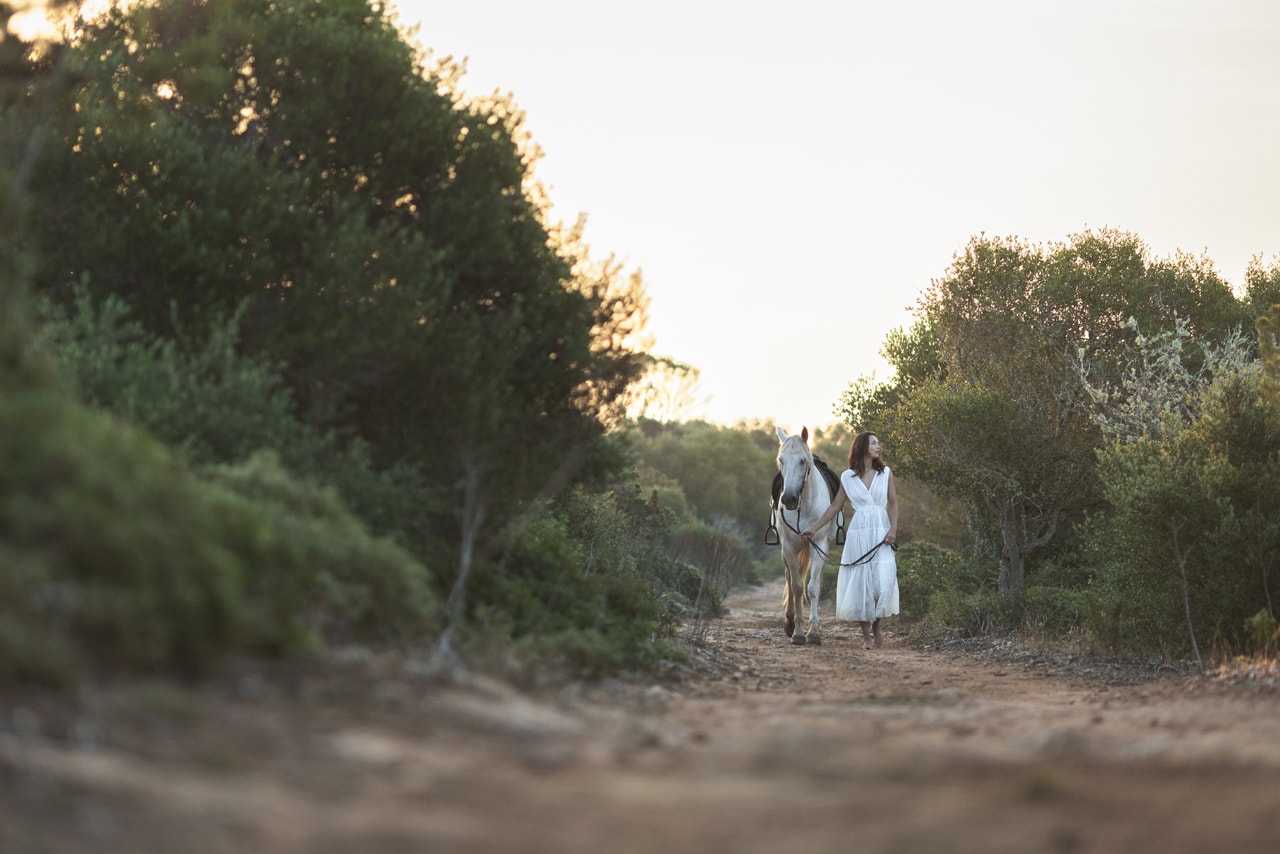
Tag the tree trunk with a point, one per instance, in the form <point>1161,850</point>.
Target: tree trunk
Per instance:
<point>1021,538</point>
<point>1012,563</point>
<point>473,514</point>
<point>1180,557</point>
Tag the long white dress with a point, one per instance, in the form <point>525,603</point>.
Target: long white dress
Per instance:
<point>869,590</point>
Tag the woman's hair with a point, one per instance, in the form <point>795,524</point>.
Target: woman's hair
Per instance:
<point>858,452</point>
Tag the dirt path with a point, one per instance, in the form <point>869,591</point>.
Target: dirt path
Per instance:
<point>761,747</point>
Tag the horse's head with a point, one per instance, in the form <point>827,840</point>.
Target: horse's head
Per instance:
<point>795,461</point>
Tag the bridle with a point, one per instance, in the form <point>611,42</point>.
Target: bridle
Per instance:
<point>771,537</point>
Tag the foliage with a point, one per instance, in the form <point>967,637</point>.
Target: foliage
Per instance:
<point>1192,541</point>
<point>1269,354</point>
<point>1201,505</point>
<point>944,589</point>
<point>384,234</point>
<point>584,585</point>
<point>115,554</point>
<point>1158,384</point>
<point>926,571</point>
<point>987,404</point>
<point>210,403</point>
<point>706,562</point>
<point>724,474</point>
<point>317,567</point>
<point>1262,635</point>
<point>1262,286</point>
<point>231,230</point>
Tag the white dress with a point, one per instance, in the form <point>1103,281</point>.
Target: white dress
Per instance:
<point>869,590</point>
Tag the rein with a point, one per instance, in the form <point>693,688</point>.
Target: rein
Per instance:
<point>826,558</point>
<point>771,534</point>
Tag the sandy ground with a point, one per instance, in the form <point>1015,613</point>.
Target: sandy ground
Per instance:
<point>760,746</point>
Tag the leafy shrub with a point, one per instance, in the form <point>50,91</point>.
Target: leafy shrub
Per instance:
<point>1194,525</point>
<point>975,614</point>
<point>585,585</point>
<point>114,550</point>
<point>207,403</point>
<point>319,567</point>
<point>1055,612</point>
<point>116,554</point>
<point>701,553</point>
<point>925,571</point>
<point>1263,633</point>
<point>1139,618</point>
<point>212,405</point>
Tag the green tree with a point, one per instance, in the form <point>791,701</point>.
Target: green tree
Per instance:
<point>1269,352</point>
<point>112,551</point>
<point>382,233</point>
<point>987,405</point>
<point>1262,286</point>
<point>1199,501</point>
<point>210,403</point>
<point>723,472</point>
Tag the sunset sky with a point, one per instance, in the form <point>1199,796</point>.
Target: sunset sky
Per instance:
<point>789,177</point>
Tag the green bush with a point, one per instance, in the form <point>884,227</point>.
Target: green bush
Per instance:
<point>578,587</point>
<point>1056,613</point>
<point>1263,633</point>
<point>1194,525</point>
<point>208,403</point>
<point>115,552</point>
<point>927,571</point>
<point>702,554</point>
<point>974,614</point>
<point>318,565</point>
<point>1137,608</point>
<point>212,405</point>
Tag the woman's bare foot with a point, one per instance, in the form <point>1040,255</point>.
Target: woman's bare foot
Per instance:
<point>875,631</point>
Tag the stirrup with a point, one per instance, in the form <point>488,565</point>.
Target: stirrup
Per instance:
<point>771,537</point>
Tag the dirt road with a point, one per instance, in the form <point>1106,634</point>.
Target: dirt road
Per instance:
<point>762,747</point>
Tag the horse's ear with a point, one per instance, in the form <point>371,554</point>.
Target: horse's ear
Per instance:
<point>804,434</point>
<point>782,434</point>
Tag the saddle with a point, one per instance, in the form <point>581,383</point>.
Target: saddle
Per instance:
<point>833,486</point>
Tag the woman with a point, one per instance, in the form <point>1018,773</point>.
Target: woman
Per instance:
<point>867,586</point>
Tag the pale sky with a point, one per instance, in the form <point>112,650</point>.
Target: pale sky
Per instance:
<point>788,177</point>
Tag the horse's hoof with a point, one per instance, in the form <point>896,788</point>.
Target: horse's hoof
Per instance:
<point>790,628</point>
<point>797,639</point>
<point>814,638</point>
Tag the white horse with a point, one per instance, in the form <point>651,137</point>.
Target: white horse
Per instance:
<point>805,496</point>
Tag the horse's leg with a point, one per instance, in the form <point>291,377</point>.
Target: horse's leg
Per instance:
<point>795,595</point>
<point>788,601</point>
<point>816,564</point>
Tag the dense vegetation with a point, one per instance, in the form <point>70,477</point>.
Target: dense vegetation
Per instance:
<point>295,357</point>
<point>1111,429</point>
<point>291,357</point>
